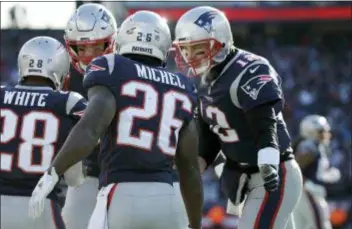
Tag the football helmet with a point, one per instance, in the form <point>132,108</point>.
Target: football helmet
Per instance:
<point>45,57</point>
<point>144,33</point>
<point>312,125</point>
<point>203,39</point>
<point>92,27</point>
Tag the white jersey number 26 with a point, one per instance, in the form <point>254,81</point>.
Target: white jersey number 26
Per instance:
<point>149,110</point>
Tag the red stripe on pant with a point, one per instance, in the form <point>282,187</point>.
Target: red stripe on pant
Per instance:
<point>315,208</point>
<point>56,214</point>
<point>271,204</point>
<point>111,195</point>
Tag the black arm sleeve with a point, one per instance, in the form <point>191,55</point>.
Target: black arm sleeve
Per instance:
<point>208,142</point>
<point>262,123</point>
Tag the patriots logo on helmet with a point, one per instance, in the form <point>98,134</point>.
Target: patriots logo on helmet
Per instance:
<point>253,86</point>
<point>205,20</point>
<point>105,17</point>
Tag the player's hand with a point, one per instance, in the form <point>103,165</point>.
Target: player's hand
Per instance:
<point>45,185</point>
<point>270,177</point>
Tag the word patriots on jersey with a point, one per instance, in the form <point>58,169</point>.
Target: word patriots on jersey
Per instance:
<point>253,86</point>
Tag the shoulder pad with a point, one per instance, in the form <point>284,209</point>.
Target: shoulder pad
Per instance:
<point>256,77</point>
<point>101,64</point>
<point>99,71</point>
<point>252,79</point>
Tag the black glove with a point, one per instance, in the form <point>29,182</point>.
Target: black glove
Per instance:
<point>270,177</point>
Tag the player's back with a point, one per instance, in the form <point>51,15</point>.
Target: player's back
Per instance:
<point>35,122</point>
<point>152,105</point>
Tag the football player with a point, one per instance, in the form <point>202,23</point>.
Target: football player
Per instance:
<point>143,115</point>
<point>311,151</point>
<point>240,112</point>
<point>90,32</point>
<point>35,120</point>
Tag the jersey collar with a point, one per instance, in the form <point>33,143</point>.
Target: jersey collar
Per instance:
<point>44,88</point>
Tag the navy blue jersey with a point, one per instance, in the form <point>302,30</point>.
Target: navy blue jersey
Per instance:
<point>314,171</point>
<point>35,122</point>
<point>246,82</point>
<point>75,83</point>
<point>152,105</point>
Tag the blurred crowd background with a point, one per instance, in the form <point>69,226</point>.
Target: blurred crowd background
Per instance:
<point>310,45</point>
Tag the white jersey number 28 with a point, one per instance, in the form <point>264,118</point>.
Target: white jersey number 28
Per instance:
<point>26,134</point>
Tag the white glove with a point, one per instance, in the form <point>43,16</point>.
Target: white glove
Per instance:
<point>45,185</point>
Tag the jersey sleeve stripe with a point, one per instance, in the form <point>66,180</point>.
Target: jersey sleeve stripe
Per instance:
<point>72,100</point>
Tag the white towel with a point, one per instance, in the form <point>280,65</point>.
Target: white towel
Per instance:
<point>99,218</point>
<point>233,209</point>
<point>236,208</point>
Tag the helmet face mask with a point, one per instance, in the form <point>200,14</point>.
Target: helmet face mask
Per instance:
<point>90,32</point>
<point>83,52</point>
<point>325,137</point>
<point>196,57</point>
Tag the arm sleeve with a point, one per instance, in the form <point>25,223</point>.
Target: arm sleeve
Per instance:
<point>262,124</point>
<point>209,145</point>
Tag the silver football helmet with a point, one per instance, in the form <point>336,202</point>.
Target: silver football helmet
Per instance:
<point>144,33</point>
<point>46,57</point>
<point>312,125</point>
<point>91,27</point>
<point>203,39</point>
